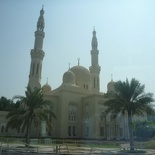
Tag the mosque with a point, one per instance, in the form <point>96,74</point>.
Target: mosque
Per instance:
<point>78,102</point>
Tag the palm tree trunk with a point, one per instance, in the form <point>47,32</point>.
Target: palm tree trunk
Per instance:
<point>28,133</point>
<point>132,147</point>
<point>27,136</point>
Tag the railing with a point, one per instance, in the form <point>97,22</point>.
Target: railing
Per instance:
<point>0,148</point>
<point>52,146</point>
<point>22,148</point>
<point>58,141</point>
<point>62,146</point>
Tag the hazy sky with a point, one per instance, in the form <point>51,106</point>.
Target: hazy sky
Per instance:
<point>125,32</point>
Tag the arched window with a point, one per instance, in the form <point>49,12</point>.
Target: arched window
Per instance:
<point>33,68</point>
<point>113,118</point>
<point>87,116</point>
<point>87,131</point>
<point>2,128</point>
<point>72,113</point>
<point>6,130</point>
<point>102,132</point>
<point>87,113</point>
<point>97,82</point>
<point>102,116</point>
<point>72,117</point>
<point>18,130</point>
<point>71,131</point>
<point>37,69</point>
<point>94,82</point>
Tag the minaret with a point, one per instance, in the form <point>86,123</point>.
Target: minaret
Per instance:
<point>95,68</point>
<point>37,54</point>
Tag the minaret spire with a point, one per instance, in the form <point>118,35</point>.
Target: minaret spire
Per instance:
<point>111,77</point>
<point>95,68</point>
<point>39,34</point>
<point>41,23</point>
<point>94,40</point>
<point>78,61</point>
<point>69,66</point>
<point>37,54</point>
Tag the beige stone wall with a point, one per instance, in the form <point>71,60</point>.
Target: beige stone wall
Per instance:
<point>79,115</point>
<point>12,132</point>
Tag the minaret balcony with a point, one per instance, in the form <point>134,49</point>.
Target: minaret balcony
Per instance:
<point>95,69</point>
<point>37,53</point>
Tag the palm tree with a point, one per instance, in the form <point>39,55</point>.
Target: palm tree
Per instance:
<point>129,97</point>
<point>5,104</point>
<point>33,110</point>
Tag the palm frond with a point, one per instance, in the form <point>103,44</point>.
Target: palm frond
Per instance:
<point>34,109</point>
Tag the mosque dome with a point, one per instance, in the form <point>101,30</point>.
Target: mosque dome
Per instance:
<point>46,88</point>
<point>69,77</point>
<point>82,76</point>
<point>110,86</point>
